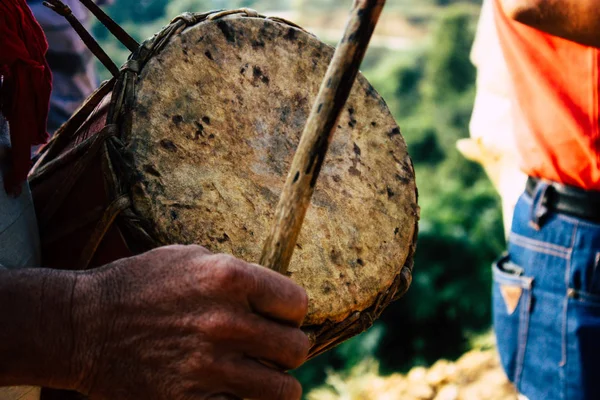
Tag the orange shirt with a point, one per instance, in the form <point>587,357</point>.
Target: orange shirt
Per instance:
<point>556,84</point>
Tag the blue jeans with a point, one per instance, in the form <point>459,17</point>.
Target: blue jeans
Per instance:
<point>546,299</point>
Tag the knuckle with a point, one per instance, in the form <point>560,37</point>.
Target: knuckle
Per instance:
<point>303,302</point>
<point>197,249</point>
<point>226,269</point>
<point>299,349</point>
<point>287,388</point>
<point>174,248</point>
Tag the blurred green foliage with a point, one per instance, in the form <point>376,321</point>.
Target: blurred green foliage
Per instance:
<point>430,90</point>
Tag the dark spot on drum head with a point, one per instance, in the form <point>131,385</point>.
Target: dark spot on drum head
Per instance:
<point>168,145</point>
<point>357,150</point>
<point>360,262</point>
<point>258,44</point>
<point>209,55</point>
<point>151,170</point>
<point>394,132</point>
<point>174,215</point>
<point>373,93</point>
<point>258,74</point>
<point>335,257</point>
<point>223,239</point>
<point>177,119</point>
<point>291,34</point>
<point>206,120</point>
<point>403,179</point>
<point>390,193</point>
<point>227,31</point>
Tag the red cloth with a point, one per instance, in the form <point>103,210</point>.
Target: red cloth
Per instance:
<point>557,89</point>
<point>28,83</point>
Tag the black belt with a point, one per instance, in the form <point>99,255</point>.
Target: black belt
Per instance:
<point>569,200</point>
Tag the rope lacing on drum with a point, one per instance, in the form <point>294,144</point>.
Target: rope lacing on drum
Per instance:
<point>131,65</point>
<point>187,17</point>
<point>248,12</point>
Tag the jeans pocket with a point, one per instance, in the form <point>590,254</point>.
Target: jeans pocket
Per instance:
<point>511,309</point>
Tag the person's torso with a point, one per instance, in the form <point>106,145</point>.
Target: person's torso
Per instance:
<point>556,84</point>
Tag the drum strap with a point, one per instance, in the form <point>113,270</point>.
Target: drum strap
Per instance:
<point>90,147</point>
<point>64,134</point>
<point>111,213</point>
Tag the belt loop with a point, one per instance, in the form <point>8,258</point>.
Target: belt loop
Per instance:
<point>539,208</point>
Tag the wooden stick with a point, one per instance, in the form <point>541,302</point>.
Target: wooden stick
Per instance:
<point>318,133</point>
<point>62,9</point>
<point>114,28</point>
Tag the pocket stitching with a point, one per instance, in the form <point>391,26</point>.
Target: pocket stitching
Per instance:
<point>523,333</point>
<point>540,243</point>
<point>540,249</point>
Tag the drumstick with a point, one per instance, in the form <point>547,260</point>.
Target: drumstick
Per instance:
<point>318,133</point>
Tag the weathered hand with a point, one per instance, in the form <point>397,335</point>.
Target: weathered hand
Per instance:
<point>181,323</point>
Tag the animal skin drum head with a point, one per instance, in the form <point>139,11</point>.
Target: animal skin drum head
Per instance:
<point>217,116</point>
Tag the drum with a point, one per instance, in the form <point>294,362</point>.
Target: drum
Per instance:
<point>192,144</point>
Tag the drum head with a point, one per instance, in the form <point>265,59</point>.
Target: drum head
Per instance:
<point>217,116</point>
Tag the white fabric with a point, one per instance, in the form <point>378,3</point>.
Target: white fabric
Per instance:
<point>494,116</point>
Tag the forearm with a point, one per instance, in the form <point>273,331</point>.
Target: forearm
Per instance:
<point>36,334</point>
<point>576,20</point>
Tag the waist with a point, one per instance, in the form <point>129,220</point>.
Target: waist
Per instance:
<point>560,198</point>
